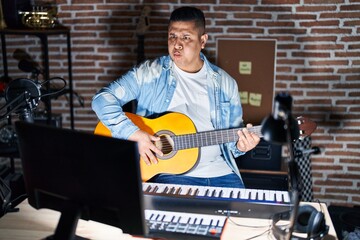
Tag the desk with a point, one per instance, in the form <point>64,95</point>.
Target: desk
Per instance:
<point>32,224</point>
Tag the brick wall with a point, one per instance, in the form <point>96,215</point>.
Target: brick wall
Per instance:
<point>318,63</point>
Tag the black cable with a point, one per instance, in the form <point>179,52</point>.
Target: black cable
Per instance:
<point>56,92</point>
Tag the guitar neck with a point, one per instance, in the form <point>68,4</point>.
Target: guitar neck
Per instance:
<point>209,138</point>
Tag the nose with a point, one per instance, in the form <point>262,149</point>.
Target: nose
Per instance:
<point>178,43</point>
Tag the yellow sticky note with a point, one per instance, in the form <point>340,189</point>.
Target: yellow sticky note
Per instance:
<point>255,99</point>
<point>244,97</point>
<point>245,67</point>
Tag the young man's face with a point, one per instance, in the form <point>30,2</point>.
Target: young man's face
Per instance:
<point>185,42</point>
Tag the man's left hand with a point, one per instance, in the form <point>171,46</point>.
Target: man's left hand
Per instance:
<point>247,140</point>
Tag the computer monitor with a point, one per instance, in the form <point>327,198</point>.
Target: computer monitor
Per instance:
<point>82,175</point>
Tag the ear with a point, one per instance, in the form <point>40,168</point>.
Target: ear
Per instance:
<point>203,40</point>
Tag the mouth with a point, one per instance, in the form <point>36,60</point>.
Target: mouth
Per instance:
<point>176,53</point>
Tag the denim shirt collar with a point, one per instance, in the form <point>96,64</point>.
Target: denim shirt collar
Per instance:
<point>211,68</point>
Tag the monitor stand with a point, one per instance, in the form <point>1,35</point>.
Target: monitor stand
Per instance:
<point>67,224</point>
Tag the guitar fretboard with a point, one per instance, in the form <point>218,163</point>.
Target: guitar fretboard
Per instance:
<point>209,138</point>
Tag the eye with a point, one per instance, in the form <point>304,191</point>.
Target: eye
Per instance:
<point>186,37</point>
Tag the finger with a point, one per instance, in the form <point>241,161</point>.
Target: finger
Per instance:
<point>144,157</point>
<point>250,137</point>
<point>241,145</point>
<point>246,136</point>
<point>157,151</point>
<point>156,147</point>
<point>151,157</point>
<point>154,138</point>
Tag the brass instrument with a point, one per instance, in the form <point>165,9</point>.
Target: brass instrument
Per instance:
<point>40,17</point>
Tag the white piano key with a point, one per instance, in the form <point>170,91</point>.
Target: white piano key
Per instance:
<point>146,187</point>
<point>175,218</point>
<point>222,222</point>
<point>197,220</point>
<point>215,222</point>
<point>279,196</point>
<point>286,197</point>
<point>206,220</point>
<point>260,195</point>
<point>160,188</point>
<point>154,216</point>
<point>201,191</point>
<point>251,194</point>
<point>226,192</point>
<point>236,193</point>
<point>148,214</point>
<point>266,195</point>
<point>194,191</point>
<point>244,194</point>
<point>183,219</point>
<point>167,218</point>
<point>271,195</point>
<point>211,192</point>
<point>184,190</point>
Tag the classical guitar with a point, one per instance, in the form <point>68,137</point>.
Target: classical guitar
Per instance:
<point>180,142</point>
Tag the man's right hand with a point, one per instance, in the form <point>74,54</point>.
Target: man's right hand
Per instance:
<point>147,148</point>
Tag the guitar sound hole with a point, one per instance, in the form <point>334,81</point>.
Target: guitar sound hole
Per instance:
<point>166,145</point>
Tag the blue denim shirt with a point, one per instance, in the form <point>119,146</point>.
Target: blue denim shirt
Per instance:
<point>152,84</point>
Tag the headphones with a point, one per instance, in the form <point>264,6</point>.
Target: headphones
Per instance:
<point>308,220</point>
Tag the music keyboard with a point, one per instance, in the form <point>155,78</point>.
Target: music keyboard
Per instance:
<point>180,225</point>
<point>216,200</point>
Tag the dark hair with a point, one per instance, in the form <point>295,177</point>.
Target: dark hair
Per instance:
<point>189,14</point>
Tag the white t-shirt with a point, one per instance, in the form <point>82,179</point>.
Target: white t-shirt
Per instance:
<point>191,98</point>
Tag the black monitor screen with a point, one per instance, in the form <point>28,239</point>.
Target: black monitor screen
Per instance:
<point>82,175</point>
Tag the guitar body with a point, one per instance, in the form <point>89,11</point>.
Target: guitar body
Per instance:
<point>173,161</point>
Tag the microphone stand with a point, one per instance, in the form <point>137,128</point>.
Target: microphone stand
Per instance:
<point>26,113</point>
<point>293,171</point>
<point>295,182</point>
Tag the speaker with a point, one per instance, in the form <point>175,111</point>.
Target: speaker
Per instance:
<point>309,222</point>
<point>265,156</point>
<point>11,9</point>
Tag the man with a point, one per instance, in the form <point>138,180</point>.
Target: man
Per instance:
<point>186,82</point>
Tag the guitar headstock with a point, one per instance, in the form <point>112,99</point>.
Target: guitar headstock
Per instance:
<point>144,22</point>
<point>306,126</point>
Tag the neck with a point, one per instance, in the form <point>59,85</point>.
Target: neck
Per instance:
<point>194,68</point>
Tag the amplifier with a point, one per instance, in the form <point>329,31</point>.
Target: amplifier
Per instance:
<point>265,156</point>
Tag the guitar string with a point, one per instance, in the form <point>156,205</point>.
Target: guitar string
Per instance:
<point>193,140</point>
